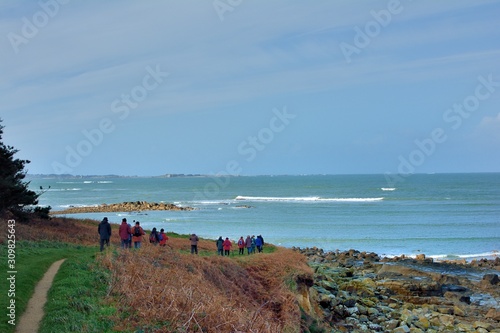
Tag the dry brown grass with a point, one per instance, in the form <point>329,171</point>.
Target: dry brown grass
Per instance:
<point>187,293</point>
<point>169,290</point>
<point>60,229</point>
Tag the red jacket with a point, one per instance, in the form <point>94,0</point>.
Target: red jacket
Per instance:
<point>124,231</point>
<point>227,245</point>
<point>137,238</point>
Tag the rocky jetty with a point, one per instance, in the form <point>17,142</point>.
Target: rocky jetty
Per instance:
<point>355,291</point>
<point>133,206</point>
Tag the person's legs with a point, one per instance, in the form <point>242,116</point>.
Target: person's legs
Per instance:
<point>101,243</point>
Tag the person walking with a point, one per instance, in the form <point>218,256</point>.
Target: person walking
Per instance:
<point>137,233</point>
<point>194,243</point>
<point>253,243</point>
<point>154,237</point>
<point>241,245</point>
<point>124,232</point>
<point>220,246</point>
<point>163,238</point>
<point>259,243</point>
<point>129,241</point>
<point>227,246</point>
<point>248,244</point>
<point>104,231</point>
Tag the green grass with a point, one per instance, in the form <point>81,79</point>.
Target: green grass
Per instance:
<point>32,261</point>
<point>78,299</point>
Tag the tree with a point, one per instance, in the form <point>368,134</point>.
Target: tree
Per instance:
<point>14,192</point>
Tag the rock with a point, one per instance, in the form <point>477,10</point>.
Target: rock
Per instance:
<point>493,314</point>
<point>420,257</point>
<point>402,329</point>
<point>483,325</point>
<point>391,324</point>
<point>491,279</point>
<point>458,311</point>
<point>137,206</point>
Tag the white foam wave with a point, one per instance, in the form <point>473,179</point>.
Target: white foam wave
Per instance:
<point>105,182</point>
<point>307,199</point>
<point>88,182</point>
<point>388,189</point>
<point>77,205</point>
<point>64,189</point>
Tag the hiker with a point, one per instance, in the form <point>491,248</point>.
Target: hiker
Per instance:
<point>124,232</point>
<point>253,243</point>
<point>129,241</point>
<point>248,244</point>
<point>194,243</point>
<point>227,246</point>
<point>241,245</point>
<point>163,238</point>
<point>220,246</point>
<point>154,237</point>
<point>137,233</point>
<point>259,242</point>
<point>104,231</point>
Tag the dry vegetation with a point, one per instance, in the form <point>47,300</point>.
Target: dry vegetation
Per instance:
<point>189,293</point>
<point>169,290</point>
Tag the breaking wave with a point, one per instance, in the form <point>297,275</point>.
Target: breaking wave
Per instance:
<point>306,199</point>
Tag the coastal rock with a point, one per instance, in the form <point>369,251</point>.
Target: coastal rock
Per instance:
<point>493,314</point>
<point>133,206</point>
<point>357,292</point>
<point>491,279</point>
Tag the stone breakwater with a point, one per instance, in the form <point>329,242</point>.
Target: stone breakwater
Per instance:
<point>355,291</point>
<point>133,206</point>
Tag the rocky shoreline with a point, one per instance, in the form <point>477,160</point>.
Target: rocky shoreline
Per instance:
<point>355,291</point>
<point>132,206</point>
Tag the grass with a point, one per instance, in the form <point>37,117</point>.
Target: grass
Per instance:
<point>154,289</point>
<point>32,261</point>
<point>78,298</point>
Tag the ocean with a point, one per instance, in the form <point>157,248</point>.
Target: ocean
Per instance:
<point>444,216</point>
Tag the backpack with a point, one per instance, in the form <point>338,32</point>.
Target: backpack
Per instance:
<point>152,238</point>
<point>160,237</point>
<point>137,232</point>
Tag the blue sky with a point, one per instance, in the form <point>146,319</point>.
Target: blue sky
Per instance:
<point>251,87</point>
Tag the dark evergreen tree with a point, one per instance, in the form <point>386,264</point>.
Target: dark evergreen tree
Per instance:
<point>14,192</point>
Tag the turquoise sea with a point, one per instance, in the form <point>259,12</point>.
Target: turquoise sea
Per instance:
<point>440,215</point>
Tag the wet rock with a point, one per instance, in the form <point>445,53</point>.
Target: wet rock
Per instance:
<point>491,279</point>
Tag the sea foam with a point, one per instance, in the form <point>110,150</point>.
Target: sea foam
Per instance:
<point>306,199</point>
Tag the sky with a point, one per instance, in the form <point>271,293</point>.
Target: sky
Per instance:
<point>251,87</point>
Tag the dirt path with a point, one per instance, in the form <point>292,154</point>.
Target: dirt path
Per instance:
<point>30,320</point>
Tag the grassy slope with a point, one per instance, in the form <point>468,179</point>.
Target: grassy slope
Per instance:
<point>32,261</point>
<point>179,292</point>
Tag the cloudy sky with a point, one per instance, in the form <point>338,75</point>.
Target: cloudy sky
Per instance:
<point>251,87</point>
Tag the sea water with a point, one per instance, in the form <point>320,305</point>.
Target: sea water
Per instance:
<point>440,215</point>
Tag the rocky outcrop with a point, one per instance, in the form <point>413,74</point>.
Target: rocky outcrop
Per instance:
<point>356,291</point>
<point>133,206</point>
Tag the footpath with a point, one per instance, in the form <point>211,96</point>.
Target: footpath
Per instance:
<point>30,320</point>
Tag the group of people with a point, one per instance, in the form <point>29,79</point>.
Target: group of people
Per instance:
<point>129,235</point>
<point>250,243</point>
